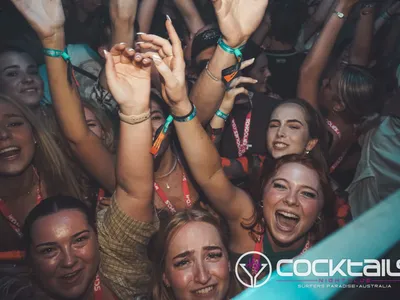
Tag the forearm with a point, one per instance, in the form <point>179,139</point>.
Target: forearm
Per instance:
<point>190,15</point>
<point>361,47</point>
<point>318,19</point>
<point>66,100</point>
<point>145,14</point>
<point>207,93</point>
<point>135,167</point>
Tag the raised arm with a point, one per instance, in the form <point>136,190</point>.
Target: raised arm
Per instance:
<point>129,82</point>
<point>47,19</point>
<point>200,153</point>
<point>145,14</point>
<point>317,59</point>
<point>190,15</point>
<point>122,15</point>
<point>361,47</point>
<point>237,20</point>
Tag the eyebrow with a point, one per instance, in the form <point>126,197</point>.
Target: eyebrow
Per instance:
<point>54,243</point>
<point>288,121</point>
<point>156,112</point>
<point>187,253</point>
<point>13,115</point>
<point>11,67</point>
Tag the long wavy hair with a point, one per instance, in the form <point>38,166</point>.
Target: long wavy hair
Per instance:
<point>326,224</point>
<point>48,158</point>
<point>162,241</point>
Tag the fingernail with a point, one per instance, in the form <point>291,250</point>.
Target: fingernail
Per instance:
<point>137,56</point>
<point>156,59</point>
<point>130,49</point>
<point>122,43</point>
<point>169,19</point>
<point>255,80</point>
<point>140,33</point>
<point>105,52</point>
<point>138,43</point>
<point>253,59</point>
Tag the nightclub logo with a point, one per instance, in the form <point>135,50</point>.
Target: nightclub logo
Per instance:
<point>253,269</point>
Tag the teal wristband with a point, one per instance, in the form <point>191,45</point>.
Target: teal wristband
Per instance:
<point>167,123</point>
<point>222,115</point>
<point>236,51</point>
<point>188,117</point>
<point>57,53</point>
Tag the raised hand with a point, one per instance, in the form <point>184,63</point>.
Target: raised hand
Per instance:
<point>238,19</point>
<point>45,16</point>
<point>230,95</point>
<point>128,78</point>
<point>169,62</point>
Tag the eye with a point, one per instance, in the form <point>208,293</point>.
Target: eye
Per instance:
<point>279,186</point>
<point>81,239</point>
<point>181,263</point>
<point>214,255</point>
<point>33,72</point>
<point>92,124</point>
<point>156,118</point>
<point>309,195</point>
<point>12,74</point>
<point>47,251</point>
<point>294,127</point>
<point>15,124</point>
<point>273,125</point>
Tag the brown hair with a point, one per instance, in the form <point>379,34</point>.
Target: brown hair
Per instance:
<point>256,224</point>
<point>48,158</point>
<point>163,239</point>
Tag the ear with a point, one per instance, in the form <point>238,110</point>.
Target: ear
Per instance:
<point>166,281</point>
<point>311,144</point>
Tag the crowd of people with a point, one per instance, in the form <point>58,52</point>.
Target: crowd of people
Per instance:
<point>145,145</point>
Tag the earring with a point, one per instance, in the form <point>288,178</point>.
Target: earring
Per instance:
<point>318,221</point>
<point>307,152</point>
<point>261,204</point>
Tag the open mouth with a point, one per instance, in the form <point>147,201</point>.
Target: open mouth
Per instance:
<point>280,146</point>
<point>206,291</point>
<point>31,90</point>
<point>9,153</point>
<point>286,221</point>
<point>72,277</point>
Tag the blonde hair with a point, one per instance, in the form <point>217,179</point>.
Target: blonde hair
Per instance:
<point>48,158</point>
<point>162,242</point>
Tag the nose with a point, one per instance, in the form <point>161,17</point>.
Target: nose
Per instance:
<point>281,131</point>
<point>69,258</point>
<point>267,73</point>
<point>4,133</point>
<point>202,274</point>
<point>27,78</point>
<point>291,199</point>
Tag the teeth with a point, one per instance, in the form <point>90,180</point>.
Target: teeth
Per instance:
<point>205,290</point>
<point>289,215</point>
<point>9,149</point>
<point>280,145</point>
<point>30,90</point>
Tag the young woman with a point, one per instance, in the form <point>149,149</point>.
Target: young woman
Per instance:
<point>174,191</point>
<point>32,167</point>
<point>297,193</point>
<point>348,96</point>
<point>201,270</point>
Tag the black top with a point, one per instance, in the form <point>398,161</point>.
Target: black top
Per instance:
<point>261,114</point>
<point>285,68</point>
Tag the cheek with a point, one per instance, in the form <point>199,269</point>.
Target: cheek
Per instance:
<point>270,199</point>
<point>220,269</point>
<point>299,139</point>
<point>311,209</point>
<point>179,279</point>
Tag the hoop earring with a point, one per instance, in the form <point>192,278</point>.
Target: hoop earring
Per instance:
<point>261,204</point>
<point>318,221</point>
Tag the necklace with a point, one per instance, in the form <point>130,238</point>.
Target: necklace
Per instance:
<point>170,171</point>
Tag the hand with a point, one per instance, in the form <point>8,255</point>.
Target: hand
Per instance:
<point>238,19</point>
<point>103,203</point>
<point>128,77</point>
<point>45,16</point>
<point>169,62</point>
<point>347,5</point>
<point>230,95</point>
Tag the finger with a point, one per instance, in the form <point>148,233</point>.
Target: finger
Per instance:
<point>163,69</point>
<point>177,50</point>
<point>158,41</point>
<point>152,47</point>
<point>127,55</point>
<point>118,49</point>
<point>242,79</point>
<point>111,72</point>
<point>247,63</point>
<point>217,4</point>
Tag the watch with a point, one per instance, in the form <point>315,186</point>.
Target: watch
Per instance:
<point>339,14</point>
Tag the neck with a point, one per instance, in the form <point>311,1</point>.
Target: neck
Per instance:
<point>339,120</point>
<point>166,164</point>
<point>12,187</point>
<point>279,46</point>
<point>280,248</point>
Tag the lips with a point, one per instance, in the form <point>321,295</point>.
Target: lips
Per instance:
<point>72,277</point>
<point>279,145</point>
<point>286,221</point>
<point>30,90</point>
<point>205,292</point>
<point>10,152</point>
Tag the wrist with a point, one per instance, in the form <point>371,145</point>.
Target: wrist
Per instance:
<point>226,110</point>
<point>55,41</point>
<point>235,43</point>
<point>343,8</point>
<point>182,109</point>
<point>130,110</point>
